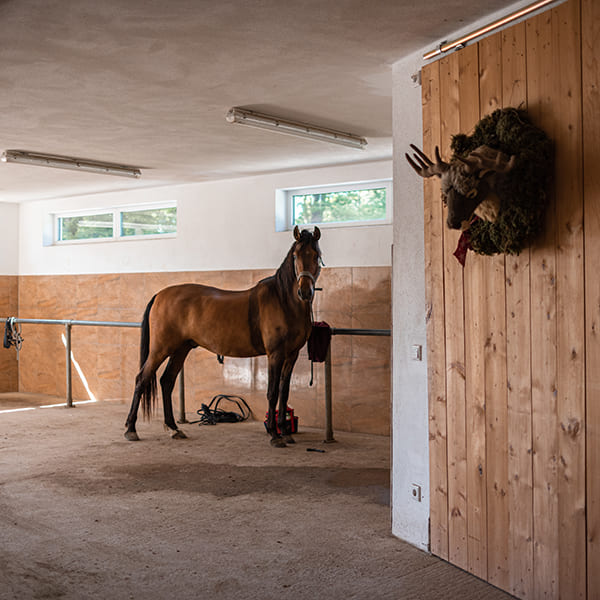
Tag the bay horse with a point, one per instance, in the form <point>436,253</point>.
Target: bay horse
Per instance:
<point>274,318</point>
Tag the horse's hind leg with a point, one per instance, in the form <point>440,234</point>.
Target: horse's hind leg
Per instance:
<point>144,384</point>
<point>167,383</point>
<point>131,433</point>
<point>141,382</point>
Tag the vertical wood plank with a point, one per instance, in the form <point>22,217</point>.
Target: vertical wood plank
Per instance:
<point>434,291</point>
<point>475,316</point>
<point>591,191</point>
<point>490,51</point>
<point>518,358</point>
<point>570,301</point>
<point>455,348</point>
<point>540,89</point>
<point>475,323</point>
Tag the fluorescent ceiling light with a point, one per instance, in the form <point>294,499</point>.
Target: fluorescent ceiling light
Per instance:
<point>445,46</point>
<point>313,132</point>
<point>66,162</point>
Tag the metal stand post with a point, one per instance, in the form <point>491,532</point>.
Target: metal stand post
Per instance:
<point>328,400</point>
<point>68,327</point>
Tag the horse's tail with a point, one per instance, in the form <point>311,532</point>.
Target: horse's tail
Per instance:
<point>148,393</point>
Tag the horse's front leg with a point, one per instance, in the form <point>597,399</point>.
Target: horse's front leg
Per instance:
<point>275,366</point>
<point>285,426</point>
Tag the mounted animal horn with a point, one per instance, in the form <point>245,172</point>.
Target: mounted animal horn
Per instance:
<point>485,159</point>
<point>424,166</point>
<point>468,183</point>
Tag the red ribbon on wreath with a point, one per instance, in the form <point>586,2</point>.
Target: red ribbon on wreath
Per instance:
<point>464,243</point>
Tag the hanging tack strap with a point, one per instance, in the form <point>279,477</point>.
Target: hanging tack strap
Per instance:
<point>12,334</point>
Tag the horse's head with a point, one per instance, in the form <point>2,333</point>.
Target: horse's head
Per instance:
<point>307,261</point>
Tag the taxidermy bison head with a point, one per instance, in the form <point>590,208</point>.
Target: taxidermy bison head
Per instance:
<point>468,184</point>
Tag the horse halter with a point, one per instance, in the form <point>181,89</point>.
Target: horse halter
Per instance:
<point>300,275</point>
<point>306,274</point>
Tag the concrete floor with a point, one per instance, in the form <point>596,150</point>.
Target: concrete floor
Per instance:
<point>221,515</point>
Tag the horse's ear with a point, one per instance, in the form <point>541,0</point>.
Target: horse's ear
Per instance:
<point>297,233</point>
<point>317,234</point>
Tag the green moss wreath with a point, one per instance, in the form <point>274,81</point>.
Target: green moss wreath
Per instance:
<point>522,194</point>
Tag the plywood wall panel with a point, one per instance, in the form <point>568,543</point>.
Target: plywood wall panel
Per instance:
<point>474,327</point>
<point>518,358</point>
<point>540,86</point>
<point>8,358</point>
<point>490,83</point>
<point>436,344</point>
<point>109,357</point>
<point>476,314</point>
<point>570,296</point>
<point>591,193</point>
<point>455,344</point>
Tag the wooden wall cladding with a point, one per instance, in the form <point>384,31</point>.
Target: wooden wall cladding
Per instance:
<point>352,297</point>
<point>513,348</point>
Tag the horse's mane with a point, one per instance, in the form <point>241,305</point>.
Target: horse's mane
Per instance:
<point>285,276</point>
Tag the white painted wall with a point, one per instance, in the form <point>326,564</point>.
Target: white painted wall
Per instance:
<point>221,225</point>
<point>9,239</point>
<point>410,452</point>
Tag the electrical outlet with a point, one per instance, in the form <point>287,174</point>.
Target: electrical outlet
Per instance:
<point>415,492</point>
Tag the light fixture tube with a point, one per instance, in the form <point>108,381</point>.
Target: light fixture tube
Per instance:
<point>66,162</point>
<point>313,132</point>
<point>447,46</point>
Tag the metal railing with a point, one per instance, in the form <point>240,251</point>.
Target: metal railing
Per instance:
<point>70,323</point>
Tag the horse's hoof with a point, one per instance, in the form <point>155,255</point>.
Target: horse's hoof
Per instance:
<point>278,443</point>
<point>178,435</point>
<point>132,436</point>
<point>289,439</point>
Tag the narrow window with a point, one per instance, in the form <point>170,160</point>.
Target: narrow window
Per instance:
<point>117,223</point>
<point>154,221</point>
<point>346,204</point>
<point>85,227</point>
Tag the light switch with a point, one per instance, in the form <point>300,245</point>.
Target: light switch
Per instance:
<point>416,352</point>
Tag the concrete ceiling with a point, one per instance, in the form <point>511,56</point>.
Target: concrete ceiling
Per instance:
<point>148,83</point>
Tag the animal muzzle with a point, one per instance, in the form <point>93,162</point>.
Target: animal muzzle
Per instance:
<point>306,286</point>
<point>459,223</point>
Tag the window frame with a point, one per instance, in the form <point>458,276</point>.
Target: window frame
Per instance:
<point>116,211</point>
<point>289,193</point>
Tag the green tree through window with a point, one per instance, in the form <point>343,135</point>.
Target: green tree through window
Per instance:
<point>340,207</point>
<point>86,227</point>
<point>147,220</point>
